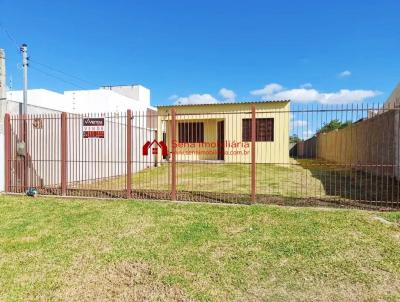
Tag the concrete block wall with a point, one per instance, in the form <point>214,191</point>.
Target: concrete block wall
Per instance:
<point>371,144</point>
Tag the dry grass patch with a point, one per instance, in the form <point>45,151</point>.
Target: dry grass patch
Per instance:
<point>124,281</point>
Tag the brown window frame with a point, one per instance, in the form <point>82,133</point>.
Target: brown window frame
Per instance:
<point>191,132</point>
<point>262,135</point>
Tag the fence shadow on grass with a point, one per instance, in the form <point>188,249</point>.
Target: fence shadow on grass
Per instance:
<point>355,182</point>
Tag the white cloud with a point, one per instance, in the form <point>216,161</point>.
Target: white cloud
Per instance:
<point>307,95</point>
<point>307,134</point>
<point>306,85</point>
<point>345,96</point>
<point>298,95</point>
<point>173,97</point>
<point>267,90</point>
<point>206,98</point>
<point>298,123</point>
<point>227,94</point>
<point>344,74</point>
<point>196,99</point>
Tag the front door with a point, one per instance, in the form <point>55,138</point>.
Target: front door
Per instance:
<point>220,140</point>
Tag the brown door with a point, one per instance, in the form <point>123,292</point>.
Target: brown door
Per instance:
<point>221,140</point>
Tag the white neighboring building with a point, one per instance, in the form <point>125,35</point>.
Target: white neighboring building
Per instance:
<point>39,101</point>
<point>109,99</point>
<point>104,99</point>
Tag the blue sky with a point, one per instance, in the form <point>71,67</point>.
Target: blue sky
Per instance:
<point>187,51</point>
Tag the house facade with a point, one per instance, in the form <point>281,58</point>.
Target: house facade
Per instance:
<point>222,131</point>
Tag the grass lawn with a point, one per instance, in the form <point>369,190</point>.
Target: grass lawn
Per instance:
<point>83,250</point>
<point>287,180</point>
<point>300,178</point>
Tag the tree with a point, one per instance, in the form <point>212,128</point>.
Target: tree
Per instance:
<point>294,138</point>
<point>333,125</point>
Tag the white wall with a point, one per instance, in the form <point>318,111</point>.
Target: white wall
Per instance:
<point>137,98</point>
<point>89,159</point>
<point>136,92</point>
<point>120,99</point>
<point>102,100</point>
<point>13,108</point>
<point>41,98</point>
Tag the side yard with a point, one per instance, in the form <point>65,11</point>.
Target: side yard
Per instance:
<point>85,250</point>
<point>301,178</point>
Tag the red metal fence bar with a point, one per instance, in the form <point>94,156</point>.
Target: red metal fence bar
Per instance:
<point>342,155</point>
<point>173,138</point>
<point>25,157</point>
<point>64,153</point>
<point>7,153</point>
<point>129,154</point>
<point>253,153</point>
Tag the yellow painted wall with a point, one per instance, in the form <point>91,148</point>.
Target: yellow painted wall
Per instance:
<point>236,151</point>
<point>368,145</point>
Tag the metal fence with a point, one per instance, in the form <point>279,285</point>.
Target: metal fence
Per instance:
<point>346,154</point>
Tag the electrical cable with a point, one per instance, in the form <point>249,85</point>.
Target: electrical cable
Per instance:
<point>10,36</point>
<point>56,77</point>
<point>63,72</point>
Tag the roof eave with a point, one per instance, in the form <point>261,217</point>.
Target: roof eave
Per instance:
<point>216,104</point>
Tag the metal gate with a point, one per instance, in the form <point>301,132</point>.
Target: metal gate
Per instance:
<point>345,154</point>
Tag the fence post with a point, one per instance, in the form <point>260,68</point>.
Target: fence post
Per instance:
<point>129,154</point>
<point>173,138</point>
<point>64,153</point>
<point>25,140</point>
<point>7,153</point>
<point>253,153</point>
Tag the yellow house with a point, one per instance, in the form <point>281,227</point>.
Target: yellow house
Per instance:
<point>222,131</point>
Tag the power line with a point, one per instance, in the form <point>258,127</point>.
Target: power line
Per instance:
<point>62,72</point>
<point>13,40</point>
<point>10,36</point>
<point>56,77</point>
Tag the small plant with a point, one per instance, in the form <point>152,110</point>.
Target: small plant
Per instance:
<point>33,192</point>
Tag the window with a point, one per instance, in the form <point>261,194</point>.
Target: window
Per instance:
<point>191,132</point>
<point>264,130</point>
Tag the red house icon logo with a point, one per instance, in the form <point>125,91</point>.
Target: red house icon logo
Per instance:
<point>154,145</point>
